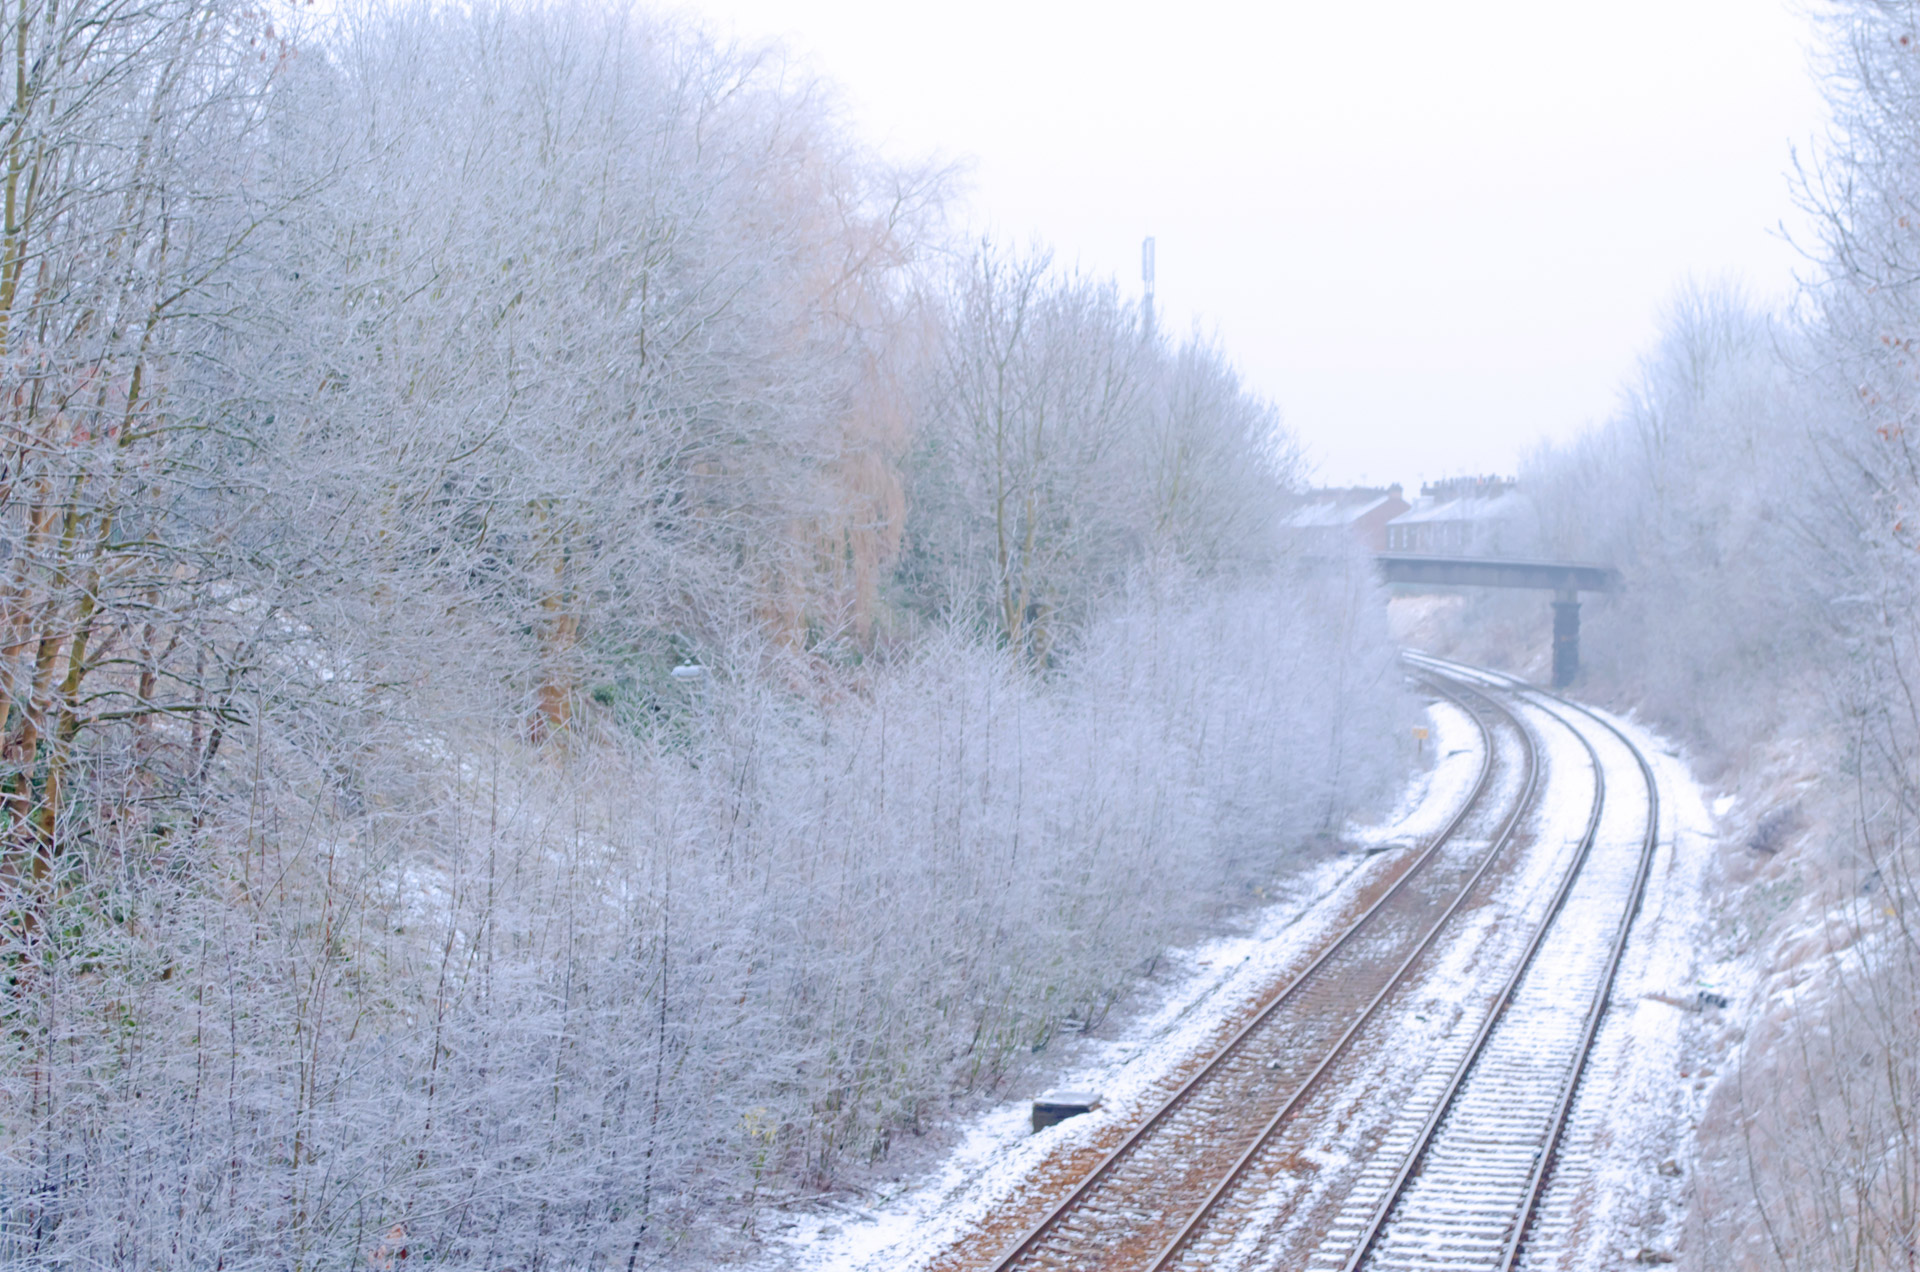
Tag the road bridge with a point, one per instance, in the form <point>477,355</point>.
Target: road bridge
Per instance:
<point>1565,579</point>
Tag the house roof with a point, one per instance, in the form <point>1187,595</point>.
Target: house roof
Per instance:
<point>1497,508</point>
<point>1334,513</point>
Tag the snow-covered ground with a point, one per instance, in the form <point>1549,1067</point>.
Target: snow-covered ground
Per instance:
<point>1629,1142</point>
<point>1620,1196</point>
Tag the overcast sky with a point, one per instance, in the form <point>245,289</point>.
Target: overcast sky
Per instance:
<point>1433,233</point>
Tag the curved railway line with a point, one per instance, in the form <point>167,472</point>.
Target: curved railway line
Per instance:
<point>1469,1186</point>
<point>1455,1173</point>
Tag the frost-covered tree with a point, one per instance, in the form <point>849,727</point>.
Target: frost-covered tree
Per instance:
<point>1060,445</point>
<point>596,328</point>
<point>1697,490</point>
<point>1758,486</point>
<point>128,195</point>
<point>1820,1127</point>
<point>396,401</point>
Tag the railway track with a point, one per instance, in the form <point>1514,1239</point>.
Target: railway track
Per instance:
<point>1143,1193</point>
<point>1453,1176</point>
<point>1469,1183</point>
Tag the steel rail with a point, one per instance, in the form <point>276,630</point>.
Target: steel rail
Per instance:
<point>1423,1140</point>
<point>1029,1240</point>
<point>1172,1250</point>
<point>1603,995</point>
<point>1596,1009</point>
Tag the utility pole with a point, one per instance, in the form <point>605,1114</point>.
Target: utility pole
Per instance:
<point>1146,276</point>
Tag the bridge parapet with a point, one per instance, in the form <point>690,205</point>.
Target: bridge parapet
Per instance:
<point>1544,576</point>
<point>1565,579</point>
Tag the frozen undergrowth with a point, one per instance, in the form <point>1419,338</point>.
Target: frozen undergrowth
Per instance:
<point>1791,953</point>
<point>1637,1109</point>
<point>1196,992</point>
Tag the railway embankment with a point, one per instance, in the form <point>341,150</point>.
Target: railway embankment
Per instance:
<point>1294,1090</point>
<point>1186,1006</point>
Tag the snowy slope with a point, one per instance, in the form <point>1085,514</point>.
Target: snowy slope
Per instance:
<point>1629,1145</point>
<point>1208,990</point>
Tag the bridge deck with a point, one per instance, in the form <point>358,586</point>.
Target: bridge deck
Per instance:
<point>1546,576</point>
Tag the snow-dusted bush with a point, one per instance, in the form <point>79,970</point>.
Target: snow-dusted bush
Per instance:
<point>541,1008</point>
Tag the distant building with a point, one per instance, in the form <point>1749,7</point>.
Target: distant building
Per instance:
<point>1360,511</point>
<point>1461,516</point>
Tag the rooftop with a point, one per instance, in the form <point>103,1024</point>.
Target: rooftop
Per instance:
<point>1468,508</point>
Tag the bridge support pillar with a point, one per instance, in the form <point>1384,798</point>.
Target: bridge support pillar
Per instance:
<point>1566,638</point>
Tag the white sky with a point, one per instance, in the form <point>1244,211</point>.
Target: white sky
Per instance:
<point>1432,232</point>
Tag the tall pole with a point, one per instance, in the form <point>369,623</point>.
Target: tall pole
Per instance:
<point>1146,277</point>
